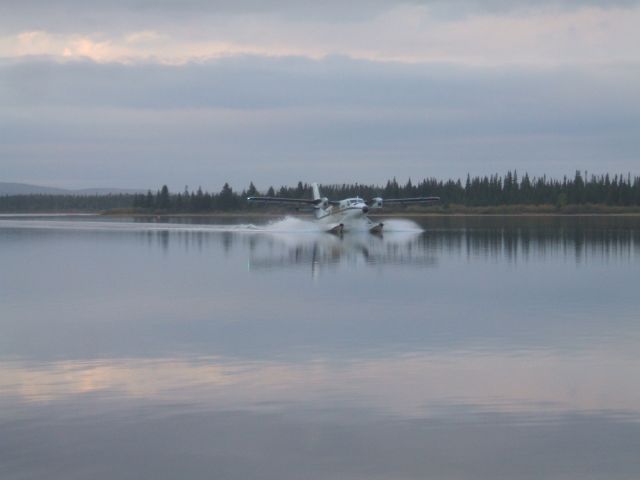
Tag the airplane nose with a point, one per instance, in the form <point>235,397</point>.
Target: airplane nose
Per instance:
<point>365,209</point>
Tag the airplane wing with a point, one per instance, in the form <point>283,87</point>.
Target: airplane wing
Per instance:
<point>412,200</point>
<point>378,202</point>
<point>284,201</point>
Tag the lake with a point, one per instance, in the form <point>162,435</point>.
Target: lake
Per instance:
<point>243,348</point>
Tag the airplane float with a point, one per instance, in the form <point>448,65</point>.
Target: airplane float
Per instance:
<point>337,215</point>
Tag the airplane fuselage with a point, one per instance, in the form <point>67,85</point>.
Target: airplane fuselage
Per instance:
<point>345,210</point>
<point>344,213</point>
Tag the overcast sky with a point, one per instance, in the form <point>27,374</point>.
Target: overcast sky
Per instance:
<point>137,93</point>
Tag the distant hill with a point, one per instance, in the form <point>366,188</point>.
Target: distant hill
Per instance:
<point>7,188</point>
<point>10,188</point>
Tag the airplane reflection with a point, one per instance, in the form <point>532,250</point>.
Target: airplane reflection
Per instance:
<point>320,251</point>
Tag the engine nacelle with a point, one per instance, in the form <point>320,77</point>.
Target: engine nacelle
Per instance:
<point>376,203</point>
<point>324,203</point>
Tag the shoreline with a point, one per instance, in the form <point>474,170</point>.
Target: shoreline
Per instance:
<point>588,210</point>
<point>416,211</point>
<point>294,214</point>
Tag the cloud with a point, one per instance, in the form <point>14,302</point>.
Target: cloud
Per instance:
<point>542,34</point>
<point>261,82</point>
<point>145,36</point>
<point>279,119</point>
<point>329,10</point>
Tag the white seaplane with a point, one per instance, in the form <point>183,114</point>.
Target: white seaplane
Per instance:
<point>338,215</point>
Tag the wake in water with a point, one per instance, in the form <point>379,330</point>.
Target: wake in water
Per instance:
<point>300,225</point>
<point>291,225</point>
<point>109,226</point>
<point>401,225</point>
<point>287,225</point>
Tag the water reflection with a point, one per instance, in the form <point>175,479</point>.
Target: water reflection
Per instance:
<point>415,385</point>
<point>511,239</point>
<point>321,251</point>
<point>172,350</point>
<point>507,238</point>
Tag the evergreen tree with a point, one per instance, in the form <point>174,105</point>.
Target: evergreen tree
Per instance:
<point>150,201</point>
<point>163,198</point>
<point>226,199</point>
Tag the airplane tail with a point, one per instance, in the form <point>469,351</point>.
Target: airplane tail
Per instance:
<point>322,207</point>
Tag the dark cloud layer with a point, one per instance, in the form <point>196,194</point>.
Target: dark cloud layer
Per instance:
<point>282,119</point>
<point>121,15</point>
<point>258,6</point>
<point>566,98</point>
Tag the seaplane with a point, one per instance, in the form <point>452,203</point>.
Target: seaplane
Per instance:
<point>339,215</point>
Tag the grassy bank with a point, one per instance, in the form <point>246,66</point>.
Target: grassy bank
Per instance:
<point>586,209</point>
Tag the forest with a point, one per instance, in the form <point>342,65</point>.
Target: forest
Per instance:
<point>480,191</point>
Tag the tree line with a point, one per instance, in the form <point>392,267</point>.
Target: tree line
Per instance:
<point>479,191</point>
<point>34,203</point>
<point>493,190</point>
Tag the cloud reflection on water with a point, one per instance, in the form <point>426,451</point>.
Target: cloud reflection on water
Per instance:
<point>408,385</point>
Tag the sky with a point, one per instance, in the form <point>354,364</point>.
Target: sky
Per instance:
<point>140,93</point>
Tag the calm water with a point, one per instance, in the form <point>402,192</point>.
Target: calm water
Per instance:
<point>481,348</point>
